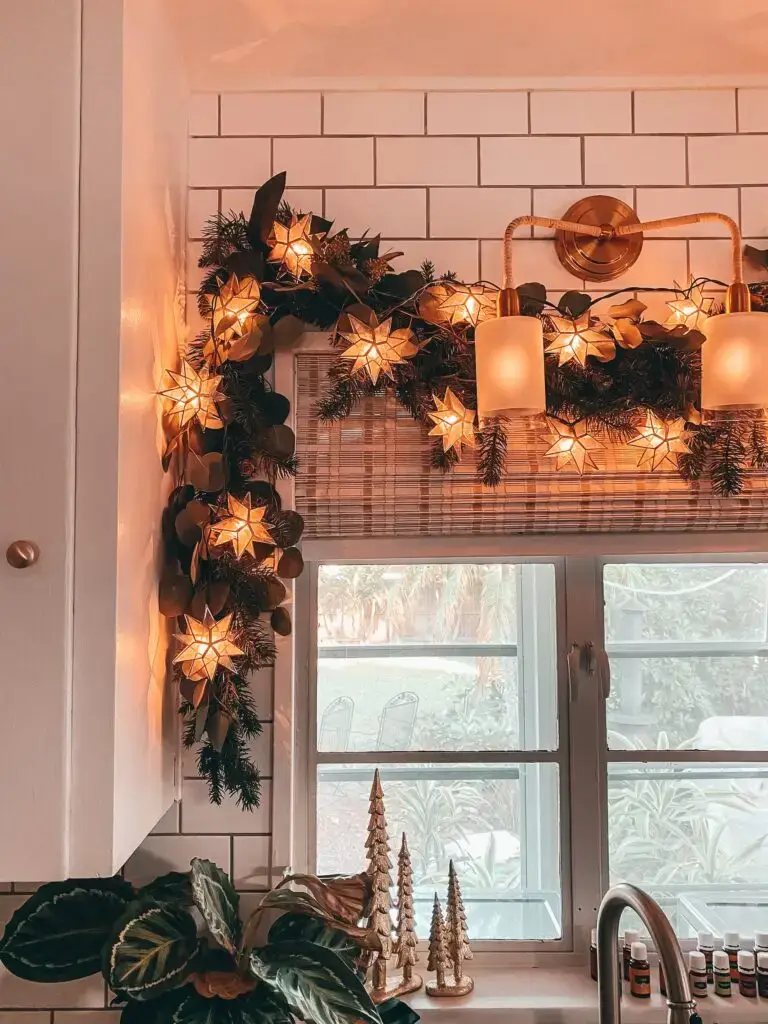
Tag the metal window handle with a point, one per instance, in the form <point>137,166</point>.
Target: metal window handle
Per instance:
<point>572,661</point>
<point>583,658</point>
<point>604,674</point>
<point>22,554</point>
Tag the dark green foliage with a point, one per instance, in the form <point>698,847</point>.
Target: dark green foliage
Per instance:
<point>153,948</point>
<point>313,929</point>
<point>59,932</point>
<point>217,901</point>
<point>173,887</point>
<point>493,452</point>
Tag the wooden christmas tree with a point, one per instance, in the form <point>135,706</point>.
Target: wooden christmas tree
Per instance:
<point>406,932</point>
<point>379,864</point>
<point>456,927</point>
<point>437,958</point>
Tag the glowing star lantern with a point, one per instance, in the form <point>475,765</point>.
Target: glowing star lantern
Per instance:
<point>376,347</point>
<point>194,396</point>
<point>453,421</point>
<point>661,441</point>
<point>576,339</point>
<point>243,527</point>
<point>467,304</point>
<point>572,446</point>
<point>691,311</point>
<point>293,246</point>
<point>234,307</point>
<point>207,645</point>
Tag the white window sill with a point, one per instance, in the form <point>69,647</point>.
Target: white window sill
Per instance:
<point>565,995</point>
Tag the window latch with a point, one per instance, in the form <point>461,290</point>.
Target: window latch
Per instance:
<point>584,659</point>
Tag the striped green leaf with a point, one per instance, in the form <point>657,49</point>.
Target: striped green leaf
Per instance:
<point>217,901</point>
<point>153,949</point>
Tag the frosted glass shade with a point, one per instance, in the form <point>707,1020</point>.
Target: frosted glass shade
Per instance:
<point>509,364</point>
<point>734,370</point>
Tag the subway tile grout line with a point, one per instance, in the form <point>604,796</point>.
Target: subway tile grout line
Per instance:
<point>736,105</point>
<point>322,113</point>
<point>218,114</point>
<point>632,110</point>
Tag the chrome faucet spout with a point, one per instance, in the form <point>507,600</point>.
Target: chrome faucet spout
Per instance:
<point>680,1006</point>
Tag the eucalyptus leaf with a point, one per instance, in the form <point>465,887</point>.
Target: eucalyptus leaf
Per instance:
<point>574,304</point>
<point>216,899</point>
<point>58,934</point>
<point>266,202</point>
<point>315,982</point>
<point>153,948</point>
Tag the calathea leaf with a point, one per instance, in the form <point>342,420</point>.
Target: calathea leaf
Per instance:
<point>158,1011</point>
<point>153,948</point>
<point>217,901</point>
<point>312,929</point>
<point>395,1011</point>
<point>307,903</point>
<point>59,932</point>
<point>175,887</point>
<point>315,982</point>
<point>261,1006</point>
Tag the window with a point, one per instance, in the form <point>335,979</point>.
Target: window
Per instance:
<point>546,769</point>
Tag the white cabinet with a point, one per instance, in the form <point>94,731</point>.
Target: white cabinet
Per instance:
<point>91,199</point>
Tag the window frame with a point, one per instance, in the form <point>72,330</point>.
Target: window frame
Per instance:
<point>579,561</point>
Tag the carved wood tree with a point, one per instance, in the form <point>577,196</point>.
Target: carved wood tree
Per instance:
<point>456,925</point>
<point>379,865</point>
<point>437,958</point>
<point>406,931</point>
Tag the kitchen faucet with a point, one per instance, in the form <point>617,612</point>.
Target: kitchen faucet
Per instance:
<point>680,1007</point>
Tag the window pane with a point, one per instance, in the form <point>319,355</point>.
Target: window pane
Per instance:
<point>696,837</point>
<point>499,824</point>
<point>685,602</point>
<point>426,657</point>
<point>404,604</point>
<point>687,646</point>
<point>699,703</point>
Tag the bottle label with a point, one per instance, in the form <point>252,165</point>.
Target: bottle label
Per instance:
<point>748,985</point>
<point>699,984</point>
<point>762,985</point>
<point>733,962</point>
<point>640,982</point>
<point>723,984</point>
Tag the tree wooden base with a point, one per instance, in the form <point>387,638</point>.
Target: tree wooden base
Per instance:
<point>396,987</point>
<point>451,988</point>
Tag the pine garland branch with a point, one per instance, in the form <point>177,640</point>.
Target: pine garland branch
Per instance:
<point>440,459</point>
<point>492,457</point>
<point>729,460</point>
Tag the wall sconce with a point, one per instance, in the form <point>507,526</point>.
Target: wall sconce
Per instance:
<point>598,239</point>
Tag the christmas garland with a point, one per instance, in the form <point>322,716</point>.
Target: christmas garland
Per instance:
<point>614,378</point>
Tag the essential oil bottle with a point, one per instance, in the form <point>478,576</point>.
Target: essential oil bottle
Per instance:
<point>697,971</point>
<point>721,970</point>
<point>639,971</point>
<point>707,947</point>
<point>593,954</point>
<point>630,936</point>
<point>761,943</point>
<point>762,975</point>
<point>747,975</point>
<point>732,945</point>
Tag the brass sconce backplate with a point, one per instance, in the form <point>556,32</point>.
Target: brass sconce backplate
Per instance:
<point>598,259</point>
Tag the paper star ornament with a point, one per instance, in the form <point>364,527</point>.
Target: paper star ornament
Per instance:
<point>577,339</point>
<point>206,646</point>
<point>572,446</point>
<point>243,527</point>
<point>661,441</point>
<point>376,348</point>
<point>234,307</point>
<point>467,304</point>
<point>194,395</point>
<point>293,245</point>
<point>453,421</point>
<point>691,310</point>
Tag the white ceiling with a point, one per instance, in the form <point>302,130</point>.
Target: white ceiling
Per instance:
<point>242,44</point>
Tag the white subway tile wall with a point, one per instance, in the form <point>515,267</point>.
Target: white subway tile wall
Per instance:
<point>438,175</point>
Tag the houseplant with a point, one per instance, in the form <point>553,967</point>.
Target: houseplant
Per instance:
<point>176,951</point>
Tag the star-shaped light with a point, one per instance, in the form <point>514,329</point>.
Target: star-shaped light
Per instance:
<point>234,307</point>
<point>467,304</point>
<point>376,347</point>
<point>691,310</point>
<point>293,245</point>
<point>577,339</point>
<point>453,421</point>
<point>572,445</point>
<point>243,527</point>
<point>194,395</point>
<point>661,441</point>
<point>207,645</point>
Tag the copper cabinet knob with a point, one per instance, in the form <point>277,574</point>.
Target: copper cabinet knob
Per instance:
<point>22,553</point>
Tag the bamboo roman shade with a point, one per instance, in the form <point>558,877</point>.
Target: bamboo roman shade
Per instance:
<point>370,476</point>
